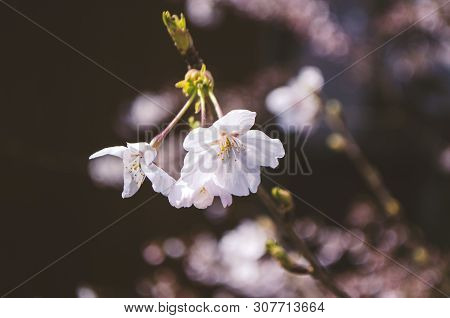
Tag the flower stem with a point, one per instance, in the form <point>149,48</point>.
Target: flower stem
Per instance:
<point>159,138</point>
<point>217,107</point>
<point>202,108</point>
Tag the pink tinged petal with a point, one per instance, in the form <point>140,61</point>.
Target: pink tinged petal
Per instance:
<point>116,151</point>
<point>236,122</point>
<point>262,150</point>
<point>201,139</point>
<point>226,199</point>
<point>161,181</point>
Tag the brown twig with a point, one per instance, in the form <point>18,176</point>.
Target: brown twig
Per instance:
<point>370,174</point>
<point>286,227</point>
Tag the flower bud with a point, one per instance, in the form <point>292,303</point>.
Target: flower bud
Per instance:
<point>336,142</point>
<point>176,26</point>
<point>420,255</point>
<point>392,207</point>
<point>277,252</point>
<point>283,197</point>
<point>195,80</point>
<point>193,123</point>
<point>333,107</point>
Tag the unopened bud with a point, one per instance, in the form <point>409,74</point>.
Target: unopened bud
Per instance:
<point>420,255</point>
<point>176,26</point>
<point>277,251</point>
<point>193,123</point>
<point>336,142</point>
<point>195,80</point>
<point>392,207</point>
<point>333,107</point>
<point>283,197</point>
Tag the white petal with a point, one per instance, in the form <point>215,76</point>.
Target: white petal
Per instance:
<point>161,181</point>
<point>232,177</point>
<point>144,149</point>
<point>181,195</point>
<point>215,190</point>
<point>133,176</point>
<point>198,167</point>
<point>261,150</point>
<point>130,186</point>
<point>236,121</point>
<point>139,147</point>
<point>203,199</point>
<point>149,156</point>
<point>231,174</point>
<point>253,180</point>
<point>226,199</point>
<point>116,151</point>
<point>201,139</point>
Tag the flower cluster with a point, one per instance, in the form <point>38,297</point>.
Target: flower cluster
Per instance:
<point>222,160</point>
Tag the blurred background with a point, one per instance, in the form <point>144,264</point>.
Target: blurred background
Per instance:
<point>58,108</point>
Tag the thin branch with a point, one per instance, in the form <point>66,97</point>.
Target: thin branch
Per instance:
<point>370,174</point>
<point>286,227</point>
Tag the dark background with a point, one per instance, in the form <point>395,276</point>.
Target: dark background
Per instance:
<point>58,108</point>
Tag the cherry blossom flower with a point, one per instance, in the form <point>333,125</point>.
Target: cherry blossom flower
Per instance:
<point>224,160</point>
<point>137,165</point>
<point>197,190</point>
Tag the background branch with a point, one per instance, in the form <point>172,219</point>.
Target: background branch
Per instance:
<point>283,221</point>
<point>343,139</point>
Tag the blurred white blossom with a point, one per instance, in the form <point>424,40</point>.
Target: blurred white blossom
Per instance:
<point>151,108</point>
<point>86,292</point>
<point>239,266</point>
<point>297,104</point>
<point>203,13</point>
<point>107,171</point>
